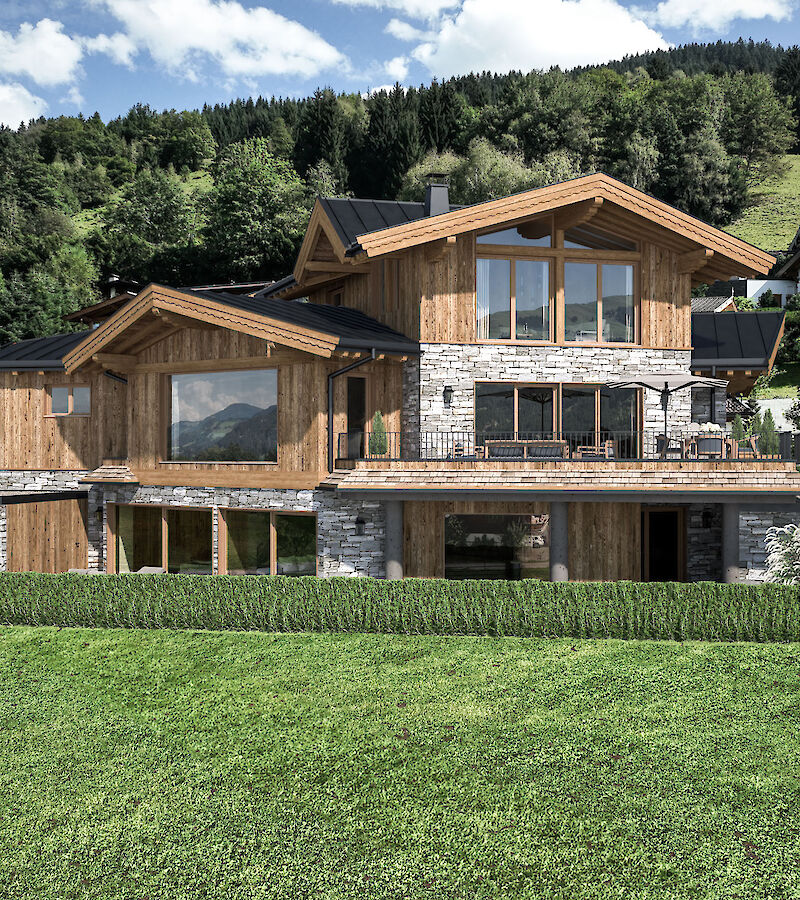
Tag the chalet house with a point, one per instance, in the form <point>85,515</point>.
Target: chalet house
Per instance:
<point>544,412</point>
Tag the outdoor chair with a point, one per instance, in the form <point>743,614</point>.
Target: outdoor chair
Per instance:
<point>747,448</point>
<point>708,447</point>
<point>666,448</point>
<point>597,451</point>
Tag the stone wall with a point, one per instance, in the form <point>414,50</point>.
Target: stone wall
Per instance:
<point>753,527</point>
<point>340,550</point>
<point>460,366</point>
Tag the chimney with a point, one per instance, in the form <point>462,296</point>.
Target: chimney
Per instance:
<point>437,194</point>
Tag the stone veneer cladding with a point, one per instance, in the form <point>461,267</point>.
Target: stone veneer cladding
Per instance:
<point>340,551</point>
<point>753,526</point>
<point>461,365</point>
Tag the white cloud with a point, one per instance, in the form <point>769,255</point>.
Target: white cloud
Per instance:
<point>118,46</point>
<point>417,9</point>
<point>74,96</point>
<point>405,31</point>
<point>716,16</point>
<point>18,104</point>
<point>397,68</point>
<point>184,35</point>
<point>501,35</point>
<point>41,52</point>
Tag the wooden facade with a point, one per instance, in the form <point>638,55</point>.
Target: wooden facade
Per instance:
<point>604,538</point>
<point>32,438</point>
<point>47,537</point>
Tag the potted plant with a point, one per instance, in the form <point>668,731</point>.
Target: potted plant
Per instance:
<point>378,439</point>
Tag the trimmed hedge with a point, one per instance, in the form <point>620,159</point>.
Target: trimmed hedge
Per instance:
<point>622,609</point>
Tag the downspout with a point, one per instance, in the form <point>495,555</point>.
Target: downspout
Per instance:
<point>331,376</point>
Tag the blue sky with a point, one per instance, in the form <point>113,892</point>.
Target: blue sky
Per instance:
<point>70,56</point>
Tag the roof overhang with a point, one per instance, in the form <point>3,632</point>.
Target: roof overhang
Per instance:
<point>157,312</point>
<point>708,250</point>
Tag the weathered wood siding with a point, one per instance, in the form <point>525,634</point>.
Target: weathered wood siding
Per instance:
<point>30,439</point>
<point>47,537</point>
<point>605,543</point>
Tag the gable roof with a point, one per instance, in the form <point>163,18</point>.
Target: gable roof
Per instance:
<point>157,312</point>
<point>40,354</point>
<point>597,187</point>
<point>736,340</point>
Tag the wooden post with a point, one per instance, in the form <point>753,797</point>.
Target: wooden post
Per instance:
<point>393,539</point>
<point>730,543</point>
<point>559,541</point>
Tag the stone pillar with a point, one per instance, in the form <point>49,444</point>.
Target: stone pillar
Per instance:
<point>559,541</point>
<point>393,539</point>
<point>730,542</point>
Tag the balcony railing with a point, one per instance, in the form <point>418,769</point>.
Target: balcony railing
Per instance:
<point>586,446</point>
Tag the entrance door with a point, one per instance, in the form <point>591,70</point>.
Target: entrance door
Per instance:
<point>356,416</point>
<point>47,537</point>
<point>663,544</point>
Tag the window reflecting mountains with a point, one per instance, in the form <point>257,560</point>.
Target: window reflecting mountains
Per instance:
<point>240,432</point>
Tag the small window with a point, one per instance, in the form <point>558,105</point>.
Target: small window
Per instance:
<point>337,297</point>
<point>70,400</point>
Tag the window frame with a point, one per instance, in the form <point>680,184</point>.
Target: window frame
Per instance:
<point>165,418</point>
<point>558,396</point>
<point>112,532</point>
<point>557,255</point>
<point>71,414</point>
<point>222,535</point>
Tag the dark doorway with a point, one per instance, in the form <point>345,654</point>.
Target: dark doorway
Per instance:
<point>356,416</point>
<point>663,544</point>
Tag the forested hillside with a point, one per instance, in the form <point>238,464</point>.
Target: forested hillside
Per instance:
<point>223,193</point>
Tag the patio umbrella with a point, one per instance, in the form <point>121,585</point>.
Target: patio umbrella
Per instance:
<point>667,384</point>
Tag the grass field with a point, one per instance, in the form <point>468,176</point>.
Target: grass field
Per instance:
<point>217,765</point>
<point>784,383</point>
<point>773,217</point>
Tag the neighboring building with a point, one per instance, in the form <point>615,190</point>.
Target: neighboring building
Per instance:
<point>715,304</point>
<point>209,430</point>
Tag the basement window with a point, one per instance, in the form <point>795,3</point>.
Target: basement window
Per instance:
<point>70,400</point>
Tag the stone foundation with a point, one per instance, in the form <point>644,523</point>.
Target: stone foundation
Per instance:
<point>753,527</point>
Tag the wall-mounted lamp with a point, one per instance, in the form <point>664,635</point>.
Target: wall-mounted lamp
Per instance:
<point>708,518</point>
<point>360,526</point>
<point>447,393</point>
<point>98,514</point>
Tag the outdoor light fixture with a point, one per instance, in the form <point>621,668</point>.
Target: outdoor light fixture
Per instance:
<point>447,393</point>
<point>708,517</point>
<point>360,525</point>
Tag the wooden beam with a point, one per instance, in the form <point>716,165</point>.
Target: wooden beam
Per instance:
<point>178,321</point>
<point>344,268</point>
<point>438,250</point>
<point>694,260</point>
<point>578,213</point>
<point>121,361</point>
<point>154,338</point>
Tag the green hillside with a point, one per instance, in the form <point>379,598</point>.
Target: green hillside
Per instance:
<point>773,217</point>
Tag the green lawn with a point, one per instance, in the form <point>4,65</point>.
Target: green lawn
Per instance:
<point>771,220</point>
<point>784,383</point>
<point>145,764</point>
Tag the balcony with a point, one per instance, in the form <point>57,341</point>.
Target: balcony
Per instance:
<point>566,449</point>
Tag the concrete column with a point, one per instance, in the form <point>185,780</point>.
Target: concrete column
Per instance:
<point>393,539</point>
<point>559,541</point>
<point>730,542</point>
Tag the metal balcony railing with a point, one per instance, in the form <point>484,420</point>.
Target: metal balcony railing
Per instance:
<point>554,446</point>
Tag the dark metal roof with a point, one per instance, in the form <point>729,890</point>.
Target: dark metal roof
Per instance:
<point>742,339</point>
<point>355,330</point>
<point>352,217</point>
<point>40,353</point>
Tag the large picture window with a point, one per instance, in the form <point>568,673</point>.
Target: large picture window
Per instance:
<point>580,414</point>
<point>224,417</point>
<point>529,288</point>
<point>507,547</point>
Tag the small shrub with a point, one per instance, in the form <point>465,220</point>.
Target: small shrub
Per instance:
<point>767,299</point>
<point>378,440</point>
<point>783,549</point>
<point>793,303</point>
<point>737,429</point>
<point>768,442</point>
